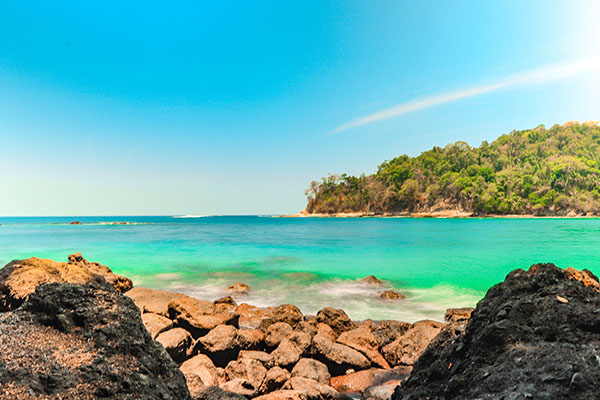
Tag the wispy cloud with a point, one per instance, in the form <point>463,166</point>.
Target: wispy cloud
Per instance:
<point>533,77</point>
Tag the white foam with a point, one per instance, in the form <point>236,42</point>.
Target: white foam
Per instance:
<point>191,216</point>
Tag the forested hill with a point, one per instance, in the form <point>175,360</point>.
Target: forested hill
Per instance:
<point>540,171</point>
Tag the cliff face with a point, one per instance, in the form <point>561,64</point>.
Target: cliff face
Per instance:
<point>535,335</point>
<point>83,341</point>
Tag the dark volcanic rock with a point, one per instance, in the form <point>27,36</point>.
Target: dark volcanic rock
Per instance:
<point>87,341</point>
<point>522,341</point>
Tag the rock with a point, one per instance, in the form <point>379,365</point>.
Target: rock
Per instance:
<point>276,332</point>
<point>265,359</point>
<point>199,372</point>
<point>383,392</point>
<point>458,314</point>
<point>358,382</point>
<point>363,340</point>
<point>338,357</point>
<point>250,339</point>
<point>216,393</point>
<point>325,330</point>
<point>176,342</point>
<point>520,342</point>
<point>246,376</point>
<point>20,278</point>
<point>313,389</point>
<point>75,223</point>
<point>584,276</point>
<point>371,280</point>
<point>407,349</point>
<point>385,332</point>
<point>391,295</point>
<point>252,316</point>
<point>153,300</point>
<point>274,379</point>
<point>336,319</point>
<point>156,323</point>
<point>199,316</point>
<point>238,288</point>
<point>311,369</point>
<point>294,346</point>
<point>220,344</point>
<point>286,395</point>
<point>81,341</point>
<point>287,313</point>
<point>227,300</point>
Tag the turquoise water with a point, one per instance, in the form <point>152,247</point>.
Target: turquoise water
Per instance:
<point>314,262</point>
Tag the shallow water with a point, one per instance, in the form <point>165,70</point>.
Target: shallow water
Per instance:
<point>314,262</point>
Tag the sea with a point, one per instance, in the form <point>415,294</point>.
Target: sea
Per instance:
<point>314,262</point>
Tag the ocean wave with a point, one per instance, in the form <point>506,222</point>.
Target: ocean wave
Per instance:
<point>191,216</point>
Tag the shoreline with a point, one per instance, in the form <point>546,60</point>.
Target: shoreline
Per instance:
<point>444,214</point>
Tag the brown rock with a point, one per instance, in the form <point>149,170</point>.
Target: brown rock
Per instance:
<point>338,357</point>
<point>311,369</point>
<point>75,223</point>
<point>585,276</point>
<point>276,333</point>
<point>199,316</point>
<point>313,389</point>
<point>176,342</point>
<point>362,339</point>
<point>199,372</point>
<point>249,375</point>
<point>250,339</point>
<point>325,330</point>
<point>220,344</point>
<point>153,300</point>
<point>20,278</point>
<point>287,313</point>
<point>156,324</point>
<point>216,393</point>
<point>391,295</point>
<point>265,358</point>
<point>371,280</point>
<point>458,314</point>
<point>238,288</point>
<point>406,349</point>
<point>286,395</point>
<point>294,346</point>
<point>227,300</point>
<point>274,379</point>
<point>383,392</point>
<point>385,332</point>
<point>336,319</point>
<point>251,316</point>
<point>358,382</point>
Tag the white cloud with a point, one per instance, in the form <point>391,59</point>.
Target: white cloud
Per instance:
<point>534,77</point>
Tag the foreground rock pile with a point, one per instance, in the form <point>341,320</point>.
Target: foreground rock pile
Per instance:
<point>279,353</point>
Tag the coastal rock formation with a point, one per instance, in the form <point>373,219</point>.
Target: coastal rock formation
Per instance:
<point>522,341</point>
<point>407,348</point>
<point>238,288</point>
<point>391,295</point>
<point>371,280</point>
<point>20,278</point>
<point>82,341</point>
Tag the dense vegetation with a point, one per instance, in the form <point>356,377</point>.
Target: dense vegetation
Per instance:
<point>540,171</point>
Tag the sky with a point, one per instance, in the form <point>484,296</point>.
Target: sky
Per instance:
<point>167,108</point>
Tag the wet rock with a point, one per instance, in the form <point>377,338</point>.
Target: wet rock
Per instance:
<point>220,344</point>
<point>371,280</point>
<point>311,369</point>
<point>250,339</point>
<point>338,357</point>
<point>199,316</point>
<point>391,295</point>
<point>75,223</point>
<point>520,342</point>
<point>199,372</point>
<point>156,324</point>
<point>336,319</point>
<point>246,376</point>
<point>153,300</point>
<point>216,393</point>
<point>264,358</point>
<point>406,349</point>
<point>287,313</point>
<point>458,314</point>
<point>88,340</point>
<point>358,382</point>
<point>274,379</point>
<point>363,340</point>
<point>276,333</point>
<point>238,288</point>
<point>20,278</point>
<point>176,342</point>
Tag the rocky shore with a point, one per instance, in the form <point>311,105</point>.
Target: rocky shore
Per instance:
<point>76,330</point>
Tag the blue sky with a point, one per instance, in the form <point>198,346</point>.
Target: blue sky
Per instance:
<point>233,108</point>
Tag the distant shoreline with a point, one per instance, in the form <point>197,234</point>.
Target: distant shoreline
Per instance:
<point>454,214</point>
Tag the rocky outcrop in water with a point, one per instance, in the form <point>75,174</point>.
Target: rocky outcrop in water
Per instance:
<point>535,335</point>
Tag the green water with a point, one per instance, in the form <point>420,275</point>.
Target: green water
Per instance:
<point>314,262</point>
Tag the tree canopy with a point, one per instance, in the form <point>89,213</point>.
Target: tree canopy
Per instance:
<point>539,171</point>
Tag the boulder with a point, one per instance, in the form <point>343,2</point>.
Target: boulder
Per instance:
<point>20,278</point>
<point>294,346</point>
<point>250,339</point>
<point>246,376</point>
<point>287,313</point>
<point>286,395</point>
<point>216,393</point>
<point>265,359</point>
<point>227,300</point>
<point>325,330</point>
<point>276,333</point>
<point>458,314</point>
<point>358,382</point>
<point>311,369</point>
<point>382,392</point>
<point>156,323</point>
<point>153,300</point>
<point>391,295</point>
<point>238,288</point>
<point>220,344</point>
<point>338,357</point>
<point>176,342</point>
<point>371,280</point>
<point>274,379</point>
<point>336,319</point>
<point>585,276</point>
<point>363,340</point>
<point>407,349</point>
<point>199,372</point>
<point>199,316</point>
<point>81,341</point>
<point>252,316</point>
<point>520,342</point>
<point>385,332</point>
<point>313,389</point>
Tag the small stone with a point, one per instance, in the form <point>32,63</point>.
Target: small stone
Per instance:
<point>391,295</point>
<point>562,299</point>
